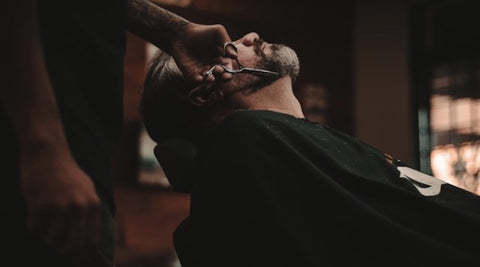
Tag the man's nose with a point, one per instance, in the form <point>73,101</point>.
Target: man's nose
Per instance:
<point>249,39</point>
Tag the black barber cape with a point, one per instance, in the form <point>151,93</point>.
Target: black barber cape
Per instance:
<point>274,190</point>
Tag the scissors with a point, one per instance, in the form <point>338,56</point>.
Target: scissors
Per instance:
<point>241,68</point>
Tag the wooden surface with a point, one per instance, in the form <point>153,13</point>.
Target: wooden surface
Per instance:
<point>145,222</point>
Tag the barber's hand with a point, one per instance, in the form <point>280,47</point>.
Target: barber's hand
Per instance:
<point>62,205</point>
<point>199,47</point>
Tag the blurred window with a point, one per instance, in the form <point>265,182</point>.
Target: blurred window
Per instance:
<point>446,72</point>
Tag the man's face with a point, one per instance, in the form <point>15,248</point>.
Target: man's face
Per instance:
<point>253,52</point>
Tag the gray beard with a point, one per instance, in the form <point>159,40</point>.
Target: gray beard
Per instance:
<point>283,60</point>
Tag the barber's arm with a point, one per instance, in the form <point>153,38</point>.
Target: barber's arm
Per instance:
<point>195,47</point>
<point>62,204</point>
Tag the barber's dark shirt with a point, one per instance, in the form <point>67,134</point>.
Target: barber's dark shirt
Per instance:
<point>84,44</point>
<point>274,190</point>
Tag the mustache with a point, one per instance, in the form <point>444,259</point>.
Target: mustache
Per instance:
<point>258,47</point>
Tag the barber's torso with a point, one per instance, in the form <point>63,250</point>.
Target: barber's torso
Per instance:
<point>84,45</point>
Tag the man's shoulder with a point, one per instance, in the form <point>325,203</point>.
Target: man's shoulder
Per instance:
<point>255,119</point>
<point>249,116</point>
<point>254,125</point>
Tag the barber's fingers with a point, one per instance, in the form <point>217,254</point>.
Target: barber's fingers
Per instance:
<point>216,71</point>
<point>226,76</point>
<point>69,229</point>
<point>76,232</point>
<point>93,224</point>
<point>229,64</point>
<point>209,75</point>
<point>230,50</point>
<point>57,231</point>
<point>83,229</point>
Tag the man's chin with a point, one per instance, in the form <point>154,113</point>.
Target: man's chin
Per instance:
<point>283,60</point>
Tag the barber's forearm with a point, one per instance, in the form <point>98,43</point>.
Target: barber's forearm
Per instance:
<point>26,94</point>
<point>153,23</point>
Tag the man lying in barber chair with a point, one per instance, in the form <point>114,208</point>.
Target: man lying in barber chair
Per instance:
<point>270,188</point>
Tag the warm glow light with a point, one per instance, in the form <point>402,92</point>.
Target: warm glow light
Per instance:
<point>441,159</point>
<point>455,124</point>
<point>440,112</point>
<point>463,115</point>
<point>476,114</point>
<point>459,166</point>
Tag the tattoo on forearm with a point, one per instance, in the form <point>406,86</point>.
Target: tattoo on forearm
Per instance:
<point>153,23</point>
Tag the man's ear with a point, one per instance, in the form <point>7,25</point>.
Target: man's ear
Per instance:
<point>203,96</point>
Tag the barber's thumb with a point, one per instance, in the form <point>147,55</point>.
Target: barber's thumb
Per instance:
<point>176,157</point>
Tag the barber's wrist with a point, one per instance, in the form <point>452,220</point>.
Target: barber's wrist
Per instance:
<point>175,36</point>
<point>43,141</point>
<point>43,151</point>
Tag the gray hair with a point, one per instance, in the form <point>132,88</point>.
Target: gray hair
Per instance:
<point>165,109</point>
